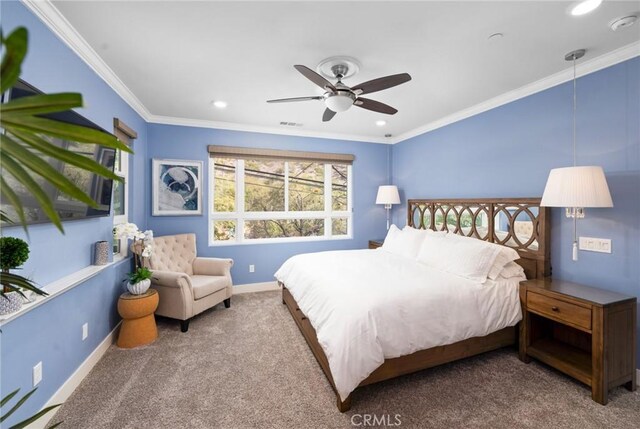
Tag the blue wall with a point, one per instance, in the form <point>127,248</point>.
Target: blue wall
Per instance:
<point>508,152</point>
<point>369,171</point>
<point>51,333</point>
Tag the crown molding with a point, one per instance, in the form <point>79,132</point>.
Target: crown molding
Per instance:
<point>598,63</point>
<point>61,27</point>
<point>203,123</point>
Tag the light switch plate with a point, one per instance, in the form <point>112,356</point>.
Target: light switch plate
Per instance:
<point>37,374</point>
<point>591,244</point>
<point>85,331</point>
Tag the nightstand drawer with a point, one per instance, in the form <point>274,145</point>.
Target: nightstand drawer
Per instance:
<point>559,310</point>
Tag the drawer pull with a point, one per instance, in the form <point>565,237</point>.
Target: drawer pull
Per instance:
<point>303,318</point>
<point>555,309</point>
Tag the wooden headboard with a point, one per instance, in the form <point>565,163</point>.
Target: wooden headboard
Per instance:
<point>519,223</point>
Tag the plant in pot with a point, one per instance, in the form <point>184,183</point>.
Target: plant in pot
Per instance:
<point>142,247</point>
<point>13,253</point>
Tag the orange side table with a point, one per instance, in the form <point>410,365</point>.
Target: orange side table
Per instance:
<point>138,324</point>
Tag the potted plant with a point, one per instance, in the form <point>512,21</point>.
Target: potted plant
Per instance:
<point>142,246</point>
<point>13,253</point>
<point>139,281</point>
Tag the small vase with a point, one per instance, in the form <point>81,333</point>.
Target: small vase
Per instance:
<point>139,288</point>
<point>10,303</point>
<point>101,253</point>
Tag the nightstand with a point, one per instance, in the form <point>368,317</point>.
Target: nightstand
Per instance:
<point>587,333</point>
<point>374,244</point>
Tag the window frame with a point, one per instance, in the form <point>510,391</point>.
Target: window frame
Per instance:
<point>240,216</point>
<point>122,170</point>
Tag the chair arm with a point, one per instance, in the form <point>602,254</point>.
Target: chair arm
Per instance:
<point>170,279</point>
<point>212,266</point>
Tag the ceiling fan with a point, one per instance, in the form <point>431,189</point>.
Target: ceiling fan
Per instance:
<point>339,97</point>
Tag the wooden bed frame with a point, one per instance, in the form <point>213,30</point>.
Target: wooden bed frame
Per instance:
<point>463,217</point>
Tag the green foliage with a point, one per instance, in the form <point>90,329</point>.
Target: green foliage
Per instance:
<point>25,147</point>
<point>13,252</point>
<point>16,407</point>
<point>142,273</point>
<point>24,144</point>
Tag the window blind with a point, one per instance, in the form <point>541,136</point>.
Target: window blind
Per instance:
<point>216,151</point>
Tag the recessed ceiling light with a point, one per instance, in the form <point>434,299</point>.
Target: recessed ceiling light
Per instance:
<point>220,104</point>
<point>583,7</point>
<point>620,23</point>
<point>381,123</point>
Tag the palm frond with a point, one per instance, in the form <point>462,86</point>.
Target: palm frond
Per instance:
<point>37,165</point>
<point>16,50</point>
<point>16,282</point>
<point>68,157</point>
<point>9,165</point>
<point>42,103</point>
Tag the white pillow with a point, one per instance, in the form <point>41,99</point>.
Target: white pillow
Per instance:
<point>512,269</point>
<point>403,243</point>
<point>506,255</point>
<point>463,256</point>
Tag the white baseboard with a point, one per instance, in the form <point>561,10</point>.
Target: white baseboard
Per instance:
<point>63,393</point>
<point>255,287</point>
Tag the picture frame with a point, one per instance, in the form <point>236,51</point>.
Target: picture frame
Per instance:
<point>176,187</point>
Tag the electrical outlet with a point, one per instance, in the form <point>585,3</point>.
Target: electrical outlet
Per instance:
<point>85,331</point>
<point>590,244</point>
<point>37,374</point>
<point>252,268</point>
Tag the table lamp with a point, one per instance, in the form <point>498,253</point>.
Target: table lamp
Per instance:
<point>388,195</point>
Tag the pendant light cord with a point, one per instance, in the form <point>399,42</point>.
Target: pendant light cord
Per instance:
<point>574,110</point>
<point>575,210</point>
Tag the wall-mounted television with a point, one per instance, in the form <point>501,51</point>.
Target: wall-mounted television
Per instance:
<point>97,187</point>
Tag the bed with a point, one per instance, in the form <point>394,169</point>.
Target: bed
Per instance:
<point>349,301</point>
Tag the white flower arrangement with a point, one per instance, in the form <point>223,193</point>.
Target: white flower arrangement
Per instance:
<point>142,241</point>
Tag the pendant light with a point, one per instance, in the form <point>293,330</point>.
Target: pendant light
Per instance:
<point>576,187</point>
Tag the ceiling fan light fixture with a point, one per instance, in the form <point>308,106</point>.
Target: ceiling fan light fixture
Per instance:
<point>339,102</point>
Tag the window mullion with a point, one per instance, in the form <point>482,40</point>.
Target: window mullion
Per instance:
<point>286,186</point>
<point>327,200</point>
<point>240,200</point>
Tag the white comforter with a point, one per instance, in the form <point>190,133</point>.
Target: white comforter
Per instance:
<point>369,305</point>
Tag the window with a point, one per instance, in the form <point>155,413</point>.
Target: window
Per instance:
<point>278,196</point>
<point>120,199</point>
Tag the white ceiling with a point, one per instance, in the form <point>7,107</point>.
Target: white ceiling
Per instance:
<point>175,57</point>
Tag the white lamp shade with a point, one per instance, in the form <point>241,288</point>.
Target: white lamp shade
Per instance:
<point>576,187</point>
<point>388,194</point>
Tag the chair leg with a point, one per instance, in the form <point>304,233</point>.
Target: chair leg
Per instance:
<point>227,303</point>
<point>184,325</point>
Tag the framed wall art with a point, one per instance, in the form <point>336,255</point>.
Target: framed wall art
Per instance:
<point>177,187</point>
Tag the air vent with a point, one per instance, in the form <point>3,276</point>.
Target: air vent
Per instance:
<point>291,124</point>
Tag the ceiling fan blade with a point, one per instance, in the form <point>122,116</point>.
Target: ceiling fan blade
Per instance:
<point>286,100</point>
<point>315,78</point>
<point>376,106</point>
<point>328,115</point>
<point>381,83</point>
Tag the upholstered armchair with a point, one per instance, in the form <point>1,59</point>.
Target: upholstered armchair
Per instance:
<point>187,285</point>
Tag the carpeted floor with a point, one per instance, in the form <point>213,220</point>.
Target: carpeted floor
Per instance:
<point>249,367</point>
